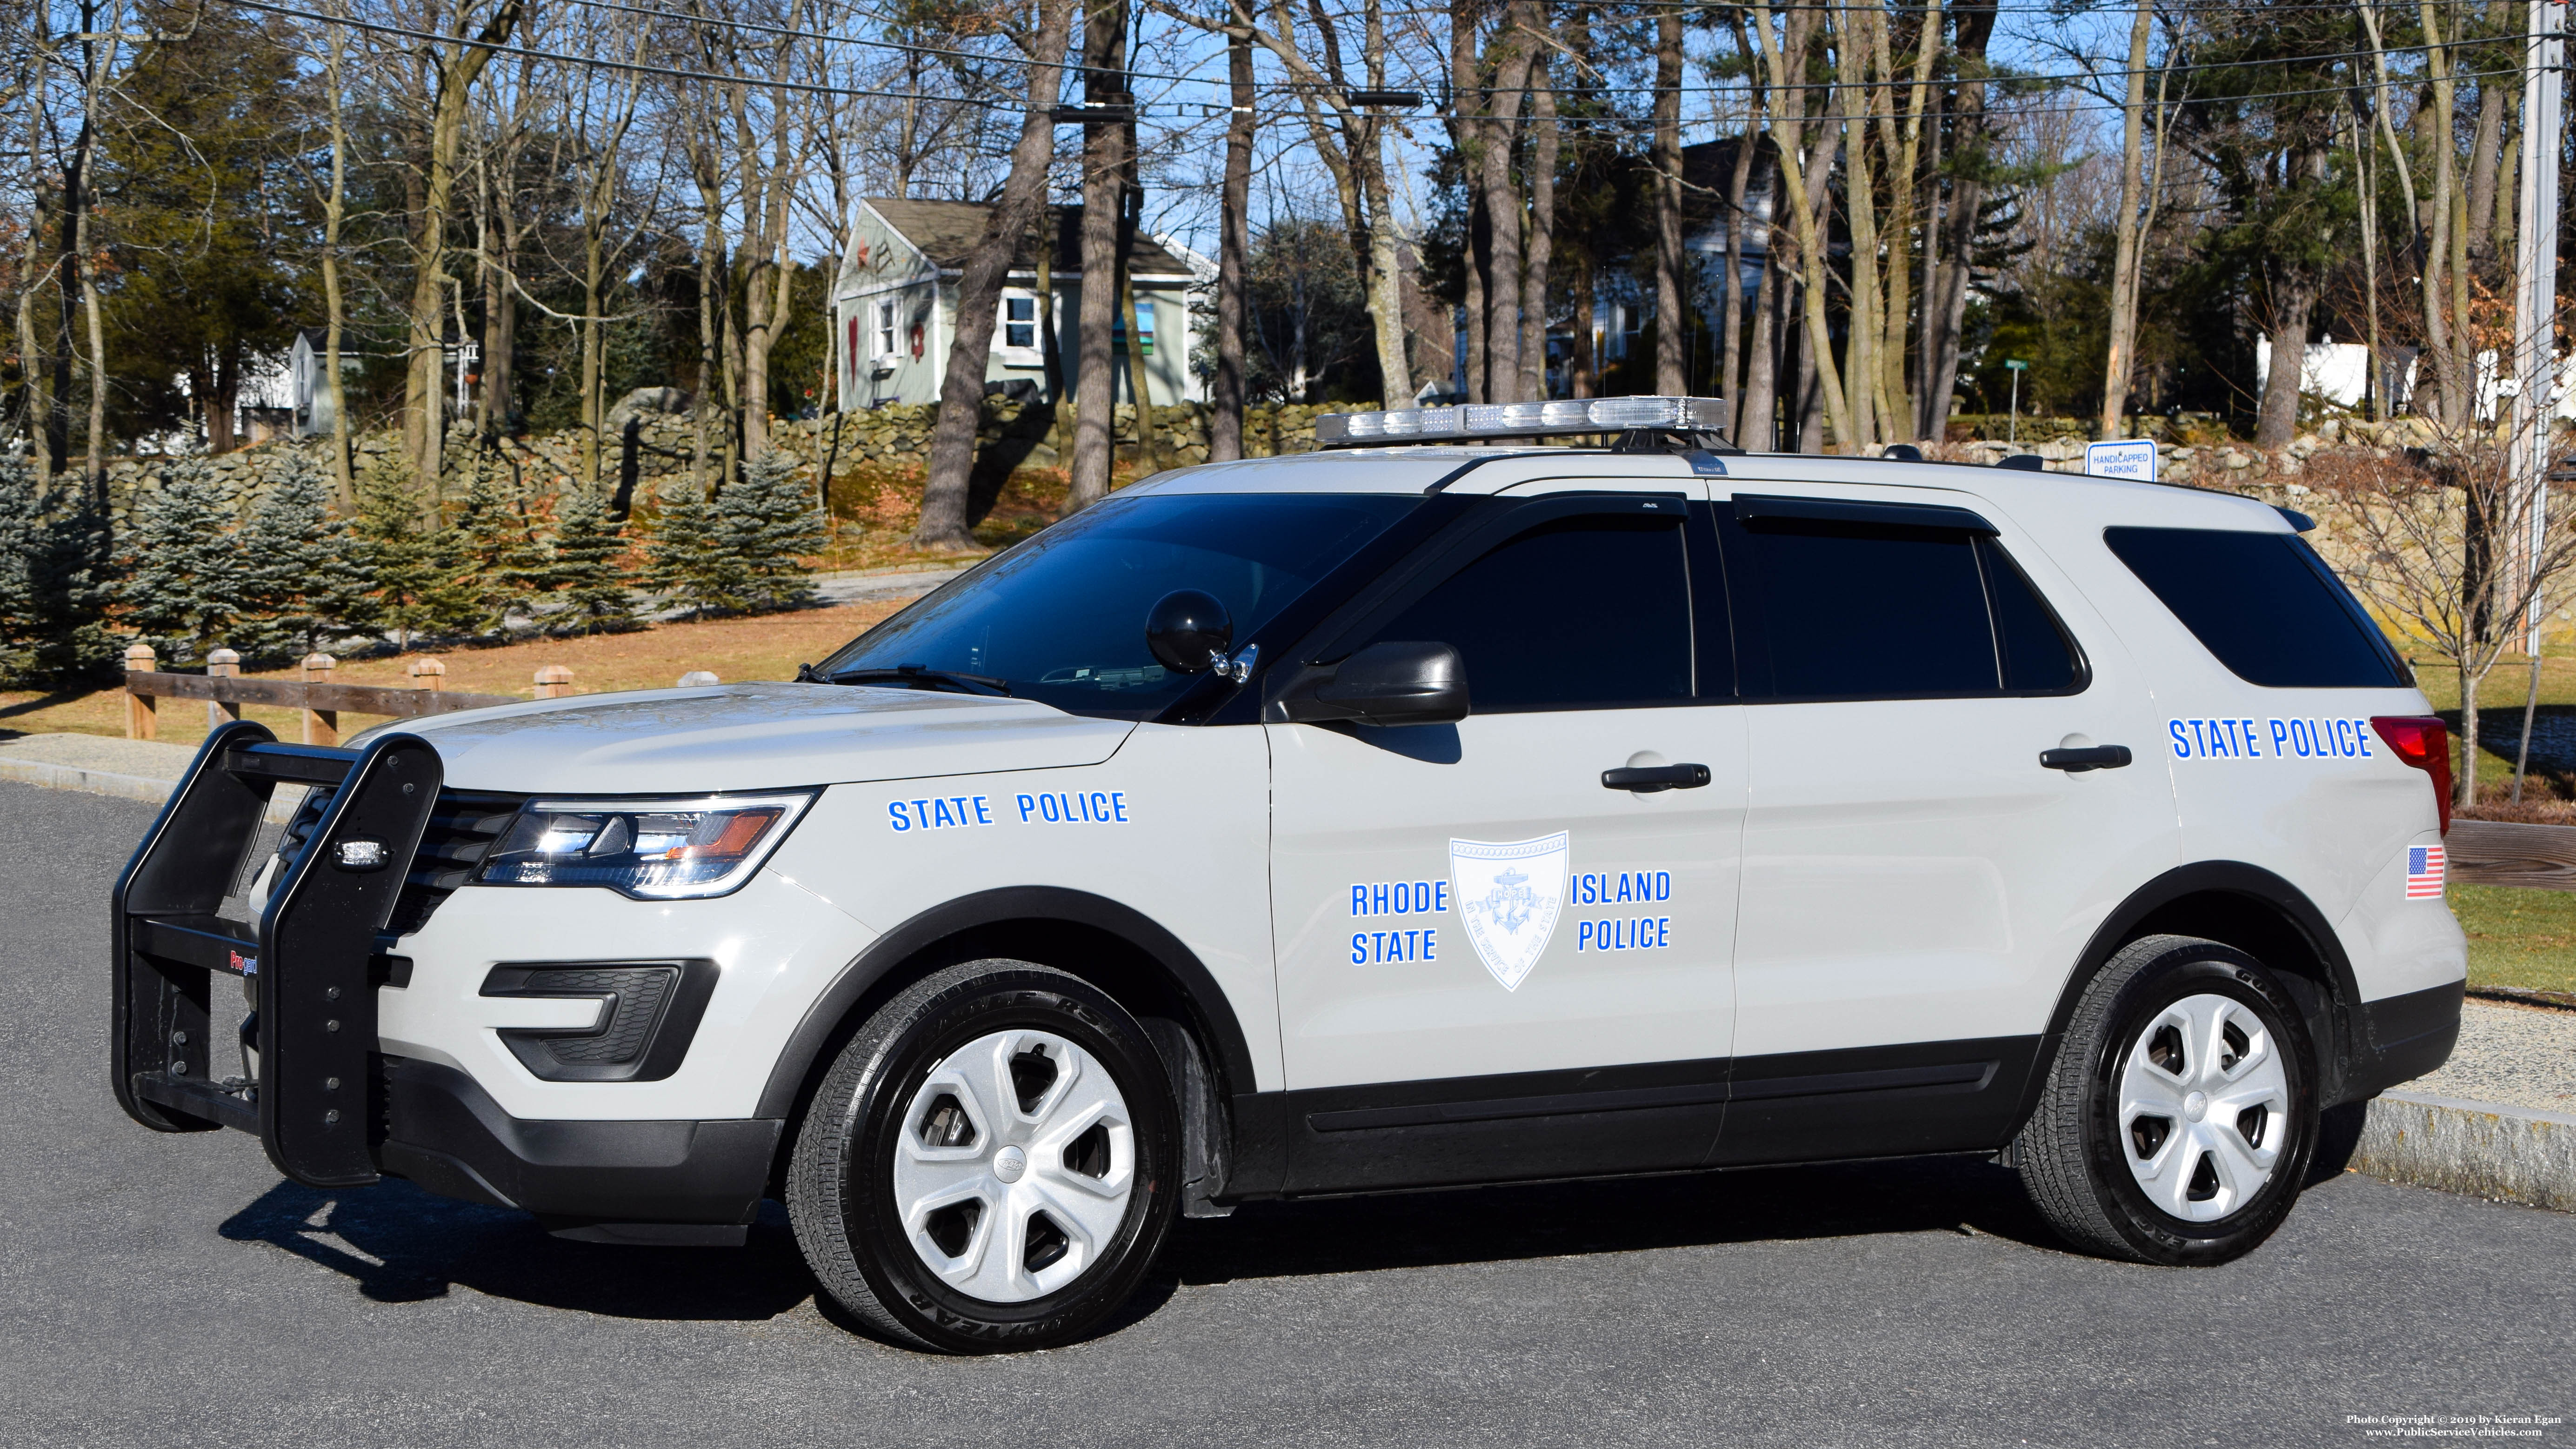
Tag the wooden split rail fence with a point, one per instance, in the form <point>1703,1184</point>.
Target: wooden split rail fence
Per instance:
<point>321,700</point>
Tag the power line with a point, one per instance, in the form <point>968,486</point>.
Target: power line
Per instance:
<point>1746,88</point>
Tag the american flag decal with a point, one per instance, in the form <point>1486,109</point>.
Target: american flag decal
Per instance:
<point>2423,872</point>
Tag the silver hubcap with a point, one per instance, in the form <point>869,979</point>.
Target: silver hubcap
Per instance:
<point>2204,1107</point>
<point>1014,1166</point>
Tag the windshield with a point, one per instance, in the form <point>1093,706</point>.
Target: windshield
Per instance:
<point>1061,618</point>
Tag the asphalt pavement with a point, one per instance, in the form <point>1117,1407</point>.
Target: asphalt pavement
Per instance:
<point>172,1290</point>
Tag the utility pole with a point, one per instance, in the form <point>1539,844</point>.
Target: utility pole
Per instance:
<point>2535,275</point>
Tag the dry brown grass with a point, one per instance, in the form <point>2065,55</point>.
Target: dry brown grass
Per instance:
<point>767,647</point>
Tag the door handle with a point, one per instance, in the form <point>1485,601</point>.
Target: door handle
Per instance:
<point>2093,757</point>
<point>1647,779</point>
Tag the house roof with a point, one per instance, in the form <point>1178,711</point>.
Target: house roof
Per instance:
<point>947,230</point>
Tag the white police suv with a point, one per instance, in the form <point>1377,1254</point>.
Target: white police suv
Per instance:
<point>1401,815</point>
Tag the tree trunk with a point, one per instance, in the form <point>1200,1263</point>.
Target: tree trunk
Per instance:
<point>1542,231</point>
<point>2276,421</point>
<point>2124,248</point>
<point>424,406</point>
<point>1757,418</point>
<point>1730,355</point>
<point>1946,312</point>
<point>1672,335</point>
<point>1234,241</point>
<point>1511,52</point>
<point>1811,394</point>
<point>979,291</point>
<point>344,487</point>
<point>1582,369</point>
<point>1478,259</point>
<point>1104,179</point>
<point>2484,152</point>
<point>711,297</point>
<point>102,57</point>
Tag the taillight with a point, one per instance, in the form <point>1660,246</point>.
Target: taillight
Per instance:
<point>2425,743</point>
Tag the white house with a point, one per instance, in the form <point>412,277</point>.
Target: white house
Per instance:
<point>895,306</point>
<point>309,391</point>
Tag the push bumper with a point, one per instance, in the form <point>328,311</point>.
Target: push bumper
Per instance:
<point>666,1182</point>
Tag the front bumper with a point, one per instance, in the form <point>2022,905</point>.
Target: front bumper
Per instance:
<point>608,1181</point>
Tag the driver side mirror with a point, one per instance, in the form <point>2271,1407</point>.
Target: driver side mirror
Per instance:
<point>1397,682</point>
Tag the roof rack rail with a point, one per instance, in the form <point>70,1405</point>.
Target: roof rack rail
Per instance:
<point>1642,424</point>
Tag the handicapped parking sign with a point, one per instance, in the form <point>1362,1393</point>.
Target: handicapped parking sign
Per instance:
<point>2127,458</point>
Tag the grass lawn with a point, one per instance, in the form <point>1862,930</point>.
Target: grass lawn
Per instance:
<point>2518,937</point>
<point>768,647</point>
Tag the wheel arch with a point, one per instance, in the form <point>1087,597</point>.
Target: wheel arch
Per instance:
<point>1115,947</point>
<point>2239,905</point>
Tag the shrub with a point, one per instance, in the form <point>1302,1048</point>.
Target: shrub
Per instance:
<point>53,592</point>
<point>765,525</point>
<point>589,569</point>
<point>185,577</point>
<point>422,585</point>
<point>683,564</point>
<point>305,576</point>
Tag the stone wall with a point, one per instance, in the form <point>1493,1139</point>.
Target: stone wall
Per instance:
<point>1024,435</point>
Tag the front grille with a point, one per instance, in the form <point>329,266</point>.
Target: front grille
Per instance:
<point>462,830</point>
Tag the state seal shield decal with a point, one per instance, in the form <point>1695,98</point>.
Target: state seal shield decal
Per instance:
<point>1510,894</point>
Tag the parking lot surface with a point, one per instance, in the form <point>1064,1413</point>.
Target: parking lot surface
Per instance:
<point>173,1290</point>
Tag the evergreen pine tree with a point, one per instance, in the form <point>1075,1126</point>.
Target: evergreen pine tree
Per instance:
<point>589,567</point>
<point>306,579</point>
<point>184,581</point>
<point>683,563</point>
<point>52,591</point>
<point>764,525</point>
<point>504,564</point>
<point>414,568</point>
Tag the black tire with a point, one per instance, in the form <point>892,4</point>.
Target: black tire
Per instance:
<point>2074,1155</point>
<point>840,1185</point>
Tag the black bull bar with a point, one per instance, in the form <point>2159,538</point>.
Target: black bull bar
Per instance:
<point>312,954</point>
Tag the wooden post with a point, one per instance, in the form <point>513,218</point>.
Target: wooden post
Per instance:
<point>698,679</point>
<point>140,722</point>
<point>554,681</point>
<point>321,726</point>
<point>222,664</point>
<point>429,674</point>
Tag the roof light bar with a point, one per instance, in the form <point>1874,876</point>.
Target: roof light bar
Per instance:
<point>1522,420</point>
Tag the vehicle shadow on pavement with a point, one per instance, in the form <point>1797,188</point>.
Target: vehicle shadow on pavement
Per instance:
<point>1932,1194</point>
<point>402,1245</point>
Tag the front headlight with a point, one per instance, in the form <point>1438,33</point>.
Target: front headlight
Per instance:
<point>662,849</point>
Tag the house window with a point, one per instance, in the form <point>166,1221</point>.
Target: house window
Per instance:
<point>1145,326</point>
<point>885,329</point>
<point>1020,322</point>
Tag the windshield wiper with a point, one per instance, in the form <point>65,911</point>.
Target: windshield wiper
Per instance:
<point>916,677</point>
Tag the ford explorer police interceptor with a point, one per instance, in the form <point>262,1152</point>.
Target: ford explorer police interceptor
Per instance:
<point>1425,812</point>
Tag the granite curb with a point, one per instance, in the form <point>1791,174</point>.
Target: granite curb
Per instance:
<point>2481,1149</point>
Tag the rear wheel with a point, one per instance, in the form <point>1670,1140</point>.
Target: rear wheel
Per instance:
<point>989,1164</point>
<point>2180,1114</point>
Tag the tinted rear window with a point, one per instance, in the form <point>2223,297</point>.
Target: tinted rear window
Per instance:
<point>2264,603</point>
<point>1856,612</point>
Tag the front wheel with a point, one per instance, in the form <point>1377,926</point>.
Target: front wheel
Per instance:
<point>2180,1114</point>
<point>989,1165</point>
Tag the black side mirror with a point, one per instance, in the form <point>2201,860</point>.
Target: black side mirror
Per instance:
<point>1399,682</point>
<point>1188,631</point>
